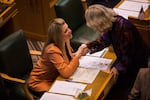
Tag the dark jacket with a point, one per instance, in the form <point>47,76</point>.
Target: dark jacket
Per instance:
<point>128,45</point>
<point>141,88</point>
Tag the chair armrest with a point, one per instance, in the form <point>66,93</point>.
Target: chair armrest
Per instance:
<point>35,52</point>
<point>23,82</point>
<point>5,76</point>
<point>27,92</point>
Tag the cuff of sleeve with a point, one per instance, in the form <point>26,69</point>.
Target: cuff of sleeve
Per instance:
<point>120,67</point>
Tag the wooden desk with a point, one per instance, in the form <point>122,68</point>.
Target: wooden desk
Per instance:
<point>119,3</point>
<point>7,14</point>
<point>103,82</point>
<point>6,20</point>
<point>84,3</point>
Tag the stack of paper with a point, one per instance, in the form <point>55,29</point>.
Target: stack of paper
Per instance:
<point>133,6</point>
<point>99,53</point>
<point>89,68</point>
<point>85,75</point>
<point>67,88</point>
<point>95,62</point>
<point>126,13</point>
<point>146,1</point>
<point>51,96</point>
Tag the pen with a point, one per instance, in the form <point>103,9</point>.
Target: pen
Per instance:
<point>71,81</point>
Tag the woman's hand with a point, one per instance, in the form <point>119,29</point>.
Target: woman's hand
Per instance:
<point>85,49</point>
<point>82,50</point>
<point>115,73</point>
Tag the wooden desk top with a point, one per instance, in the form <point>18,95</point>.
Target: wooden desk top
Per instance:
<point>103,82</point>
<point>8,13</point>
<point>7,1</point>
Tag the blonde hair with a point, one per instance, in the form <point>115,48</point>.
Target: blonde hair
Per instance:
<point>99,17</point>
<point>55,33</point>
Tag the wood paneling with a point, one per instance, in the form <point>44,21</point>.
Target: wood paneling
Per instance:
<point>34,16</point>
<point>144,28</point>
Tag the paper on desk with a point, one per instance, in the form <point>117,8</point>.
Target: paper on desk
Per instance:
<point>126,13</point>
<point>85,75</point>
<point>99,53</point>
<point>52,96</point>
<point>133,6</point>
<point>94,62</point>
<point>146,1</point>
<point>67,88</point>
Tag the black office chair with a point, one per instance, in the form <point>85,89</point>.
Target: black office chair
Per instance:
<point>72,12</point>
<point>15,66</point>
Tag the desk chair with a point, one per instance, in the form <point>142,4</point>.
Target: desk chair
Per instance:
<point>15,66</point>
<point>144,28</point>
<point>72,12</point>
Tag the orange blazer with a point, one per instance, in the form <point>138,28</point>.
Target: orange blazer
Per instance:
<point>51,64</point>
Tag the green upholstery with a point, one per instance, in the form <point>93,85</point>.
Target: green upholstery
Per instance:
<point>72,12</point>
<point>15,61</point>
<point>83,35</point>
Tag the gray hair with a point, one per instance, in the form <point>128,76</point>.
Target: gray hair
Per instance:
<point>99,17</point>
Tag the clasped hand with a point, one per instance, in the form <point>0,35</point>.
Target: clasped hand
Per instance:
<point>82,50</point>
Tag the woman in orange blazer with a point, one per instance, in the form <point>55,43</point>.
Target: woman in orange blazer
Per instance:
<point>57,58</point>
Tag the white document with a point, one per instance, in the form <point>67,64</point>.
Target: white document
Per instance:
<point>51,96</point>
<point>94,62</point>
<point>85,75</point>
<point>126,13</point>
<point>133,6</point>
<point>146,1</point>
<point>99,53</point>
<point>67,88</point>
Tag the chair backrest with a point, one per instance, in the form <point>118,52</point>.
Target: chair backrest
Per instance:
<point>71,11</point>
<point>15,59</point>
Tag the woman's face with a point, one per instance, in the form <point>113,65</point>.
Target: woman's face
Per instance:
<point>66,32</point>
